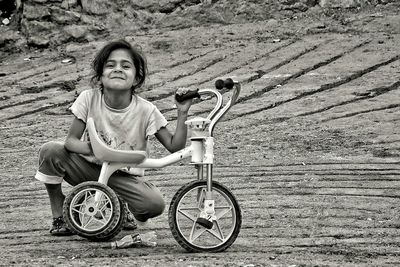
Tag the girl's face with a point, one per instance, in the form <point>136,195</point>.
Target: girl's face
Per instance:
<point>119,72</point>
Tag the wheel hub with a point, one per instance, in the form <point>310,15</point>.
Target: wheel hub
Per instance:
<point>91,210</point>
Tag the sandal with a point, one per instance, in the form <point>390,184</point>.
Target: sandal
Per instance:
<point>59,227</point>
<point>130,223</point>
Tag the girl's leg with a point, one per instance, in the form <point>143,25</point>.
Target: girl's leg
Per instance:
<point>144,200</point>
<point>56,197</point>
<point>59,227</point>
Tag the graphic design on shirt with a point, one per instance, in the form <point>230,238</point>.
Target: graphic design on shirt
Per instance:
<point>115,142</point>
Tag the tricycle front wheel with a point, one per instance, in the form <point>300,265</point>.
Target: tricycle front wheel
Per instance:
<point>184,211</point>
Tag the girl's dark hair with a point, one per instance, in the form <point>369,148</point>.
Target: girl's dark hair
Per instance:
<point>138,58</point>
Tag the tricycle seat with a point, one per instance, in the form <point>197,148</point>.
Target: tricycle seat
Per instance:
<point>107,154</point>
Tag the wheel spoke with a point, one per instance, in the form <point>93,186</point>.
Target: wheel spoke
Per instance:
<point>188,215</point>
<point>190,208</point>
<point>78,205</point>
<point>194,235</point>
<point>222,211</point>
<point>98,220</point>
<point>192,231</point>
<point>78,211</point>
<point>102,216</point>
<point>91,195</point>
<point>86,195</point>
<point>81,218</point>
<point>220,234</point>
<point>104,206</point>
<point>88,222</point>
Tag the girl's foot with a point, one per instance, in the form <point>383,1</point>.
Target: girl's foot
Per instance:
<point>130,223</point>
<point>59,227</point>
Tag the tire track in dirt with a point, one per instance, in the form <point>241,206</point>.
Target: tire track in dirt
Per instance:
<point>36,110</point>
<point>275,185</point>
<point>348,115</point>
<point>259,179</point>
<point>250,77</point>
<point>65,85</point>
<point>54,84</point>
<point>363,99</point>
<point>55,80</point>
<point>206,65</point>
<point>280,82</point>
<point>162,96</point>
<point>180,76</point>
<point>322,88</point>
<point>23,102</point>
<point>189,74</point>
<point>296,75</point>
<point>183,62</point>
<point>59,86</point>
<point>217,70</point>
<point>372,93</point>
<point>284,229</point>
<point>27,74</point>
<point>229,70</point>
<point>246,81</point>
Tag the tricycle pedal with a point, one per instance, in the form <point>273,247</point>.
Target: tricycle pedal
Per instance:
<point>205,223</point>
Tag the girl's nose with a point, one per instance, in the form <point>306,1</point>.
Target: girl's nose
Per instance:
<point>118,67</point>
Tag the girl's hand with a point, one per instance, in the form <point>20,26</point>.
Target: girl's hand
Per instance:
<point>184,105</point>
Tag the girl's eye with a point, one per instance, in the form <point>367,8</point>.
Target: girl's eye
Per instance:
<point>109,65</point>
<point>126,66</point>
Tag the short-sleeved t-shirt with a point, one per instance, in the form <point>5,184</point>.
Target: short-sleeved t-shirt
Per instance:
<point>122,129</point>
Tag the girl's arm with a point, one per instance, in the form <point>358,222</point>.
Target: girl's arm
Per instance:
<point>177,141</point>
<point>73,142</point>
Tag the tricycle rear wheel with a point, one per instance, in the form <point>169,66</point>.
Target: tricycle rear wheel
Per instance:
<point>95,220</point>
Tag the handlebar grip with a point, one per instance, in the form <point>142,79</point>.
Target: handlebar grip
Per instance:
<point>227,83</point>
<point>188,95</point>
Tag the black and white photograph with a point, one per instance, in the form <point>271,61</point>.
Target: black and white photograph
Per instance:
<point>197,133</point>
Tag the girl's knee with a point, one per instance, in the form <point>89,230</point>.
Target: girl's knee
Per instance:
<point>148,208</point>
<point>157,206</point>
<point>49,167</point>
<point>51,149</point>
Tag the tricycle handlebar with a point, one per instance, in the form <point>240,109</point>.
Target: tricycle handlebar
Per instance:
<point>218,111</point>
<point>235,94</point>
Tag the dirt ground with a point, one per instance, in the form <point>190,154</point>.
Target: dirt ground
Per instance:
<point>311,150</point>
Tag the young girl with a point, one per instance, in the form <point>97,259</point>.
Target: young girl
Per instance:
<point>124,121</point>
